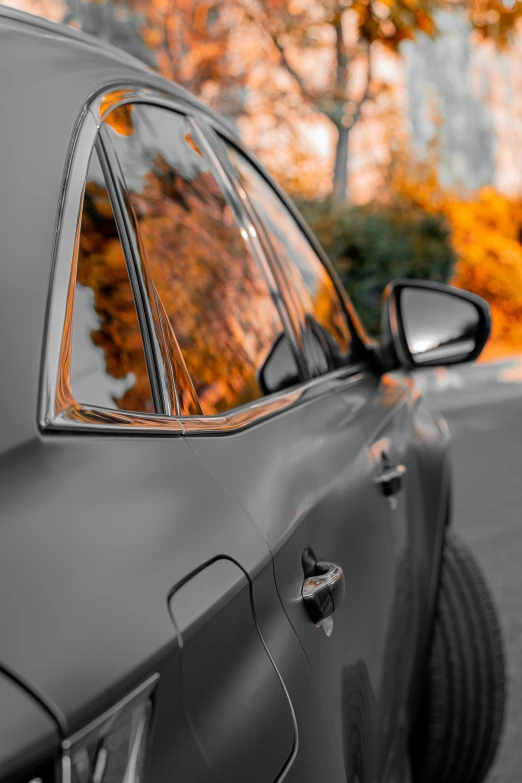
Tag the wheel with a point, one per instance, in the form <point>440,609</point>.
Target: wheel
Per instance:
<point>458,729</point>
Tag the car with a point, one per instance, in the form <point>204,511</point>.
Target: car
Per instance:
<point>227,550</point>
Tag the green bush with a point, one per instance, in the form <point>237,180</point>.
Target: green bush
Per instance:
<point>371,245</point>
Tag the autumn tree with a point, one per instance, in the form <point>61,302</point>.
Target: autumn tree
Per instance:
<point>185,41</point>
<point>418,228</point>
<point>229,52</point>
<point>328,49</point>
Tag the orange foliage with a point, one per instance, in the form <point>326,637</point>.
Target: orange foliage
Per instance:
<point>486,233</point>
<point>190,42</point>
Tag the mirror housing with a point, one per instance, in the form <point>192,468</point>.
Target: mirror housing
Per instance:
<point>428,324</point>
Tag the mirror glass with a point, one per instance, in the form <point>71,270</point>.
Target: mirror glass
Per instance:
<point>439,327</point>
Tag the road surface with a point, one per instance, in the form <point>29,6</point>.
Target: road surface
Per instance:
<point>483,407</point>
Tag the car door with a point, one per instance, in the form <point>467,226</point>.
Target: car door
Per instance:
<point>213,315</point>
<point>319,476</point>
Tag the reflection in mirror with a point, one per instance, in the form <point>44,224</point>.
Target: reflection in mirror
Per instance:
<point>438,327</point>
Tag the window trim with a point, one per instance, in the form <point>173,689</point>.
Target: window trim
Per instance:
<point>57,408</point>
<point>144,312</point>
<point>55,414</point>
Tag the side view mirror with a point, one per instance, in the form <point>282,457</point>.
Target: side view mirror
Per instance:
<point>425,324</point>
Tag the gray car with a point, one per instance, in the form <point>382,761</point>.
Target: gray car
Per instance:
<point>225,512</point>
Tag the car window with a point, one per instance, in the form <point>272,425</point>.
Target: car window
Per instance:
<point>326,329</point>
<point>211,289</point>
<point>107,366</point>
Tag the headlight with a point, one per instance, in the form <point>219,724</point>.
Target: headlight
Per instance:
<point>112,748</point>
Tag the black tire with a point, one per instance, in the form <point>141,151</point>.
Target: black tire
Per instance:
<point>458,729</point>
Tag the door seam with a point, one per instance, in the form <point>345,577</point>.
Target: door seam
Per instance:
<point>231,496</point>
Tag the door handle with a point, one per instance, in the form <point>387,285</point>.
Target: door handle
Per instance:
<point>323,592</point>
<point>391,480</point>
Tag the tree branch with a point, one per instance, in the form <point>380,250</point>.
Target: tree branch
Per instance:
<point>282,53</point>
<point>366,94</point>
<point>341,58</point>
<point>290,69</point>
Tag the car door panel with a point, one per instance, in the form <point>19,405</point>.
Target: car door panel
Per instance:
<point>307,479</point>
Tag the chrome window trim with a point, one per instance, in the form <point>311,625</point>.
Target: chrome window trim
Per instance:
<point>144,303</point>
<point>66,233</point>
<point>91,419</point>
<point>53,416</point>
<point>141,95</point>
<point>108,421</point>
<point>266,407</point>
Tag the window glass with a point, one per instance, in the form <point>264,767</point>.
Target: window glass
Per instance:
<point>108,367</point>
<point>211,289</point>
<point>326,323</point>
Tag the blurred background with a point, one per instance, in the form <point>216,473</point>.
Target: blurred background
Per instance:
<point>396,125</point>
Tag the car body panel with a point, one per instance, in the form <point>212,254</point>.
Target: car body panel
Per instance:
<point>231,688</point>
<point>100,529</point>
<point>97,538</point>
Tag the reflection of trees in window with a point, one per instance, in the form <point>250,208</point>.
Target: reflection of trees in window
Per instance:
<point>307,275</point>
<point>102,268</point>
<point>213,293</point>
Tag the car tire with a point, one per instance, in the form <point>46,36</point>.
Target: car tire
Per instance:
<point>458,729</point>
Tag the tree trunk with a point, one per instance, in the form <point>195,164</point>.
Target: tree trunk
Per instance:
<point>340,181</point>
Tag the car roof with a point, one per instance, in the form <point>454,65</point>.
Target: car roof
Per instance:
<point>48,73</point>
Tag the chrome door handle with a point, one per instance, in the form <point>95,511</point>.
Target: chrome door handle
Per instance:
<point>323,592</point>
<point>391,480</point>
